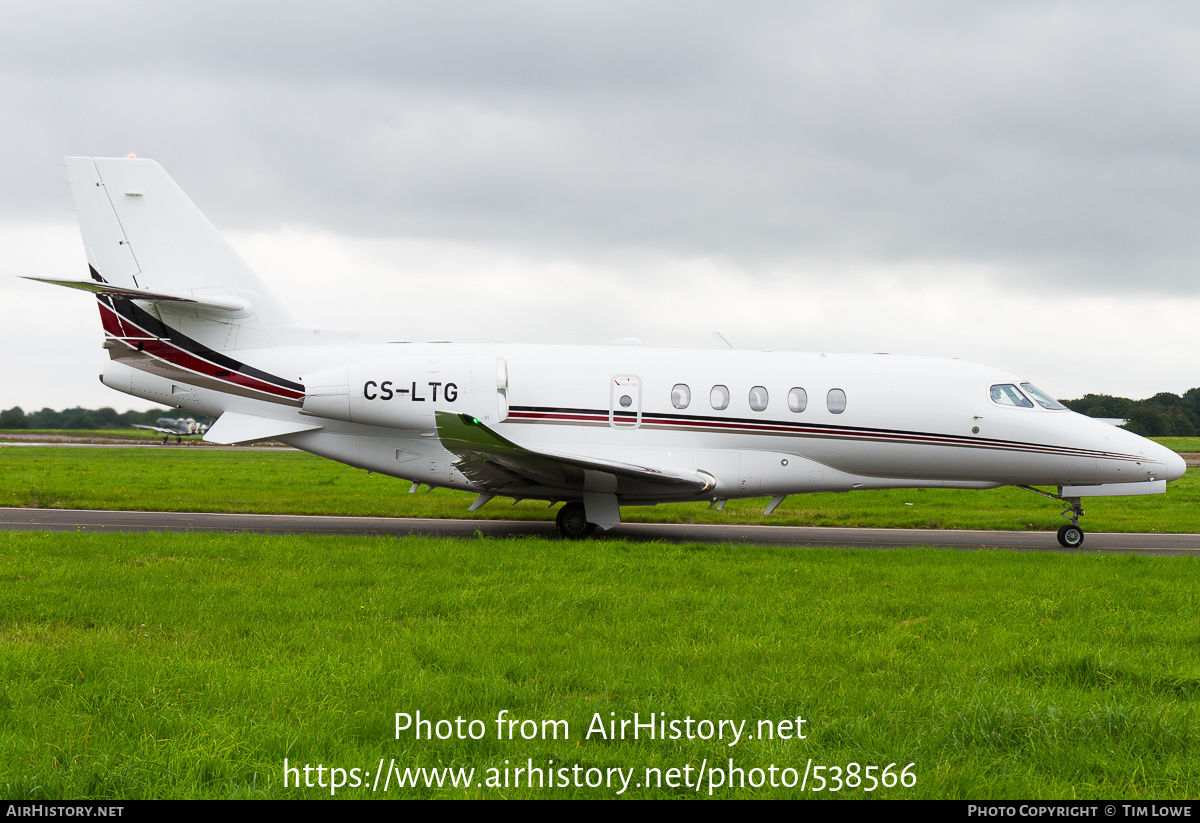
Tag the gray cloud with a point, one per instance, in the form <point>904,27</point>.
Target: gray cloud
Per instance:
<point>1056,139</point>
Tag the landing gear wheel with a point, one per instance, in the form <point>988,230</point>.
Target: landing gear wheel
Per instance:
<point>1070,536</point>
<point>572,521</point>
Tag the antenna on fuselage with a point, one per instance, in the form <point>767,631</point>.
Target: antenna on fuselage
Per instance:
<point>721,337</point>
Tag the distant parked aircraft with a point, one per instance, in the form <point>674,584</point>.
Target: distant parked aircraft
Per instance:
<point>176,427</point>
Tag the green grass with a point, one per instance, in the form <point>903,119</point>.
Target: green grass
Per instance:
<point>296,483</point>
<point>1184,445</point>
<point>193,665</point>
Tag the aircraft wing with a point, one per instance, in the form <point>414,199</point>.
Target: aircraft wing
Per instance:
<point>495,463</point>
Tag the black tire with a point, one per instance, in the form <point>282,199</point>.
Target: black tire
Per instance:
<point>572,521</point>
<point>1070,537</point>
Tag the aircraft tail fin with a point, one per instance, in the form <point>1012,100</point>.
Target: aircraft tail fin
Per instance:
<point>147,241</point>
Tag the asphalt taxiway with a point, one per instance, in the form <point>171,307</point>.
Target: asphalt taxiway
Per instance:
<point>77,520</point>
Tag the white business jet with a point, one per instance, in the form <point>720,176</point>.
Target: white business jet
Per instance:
<point>188,324</point>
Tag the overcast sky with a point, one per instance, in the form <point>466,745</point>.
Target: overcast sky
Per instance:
<point>1014,183</point>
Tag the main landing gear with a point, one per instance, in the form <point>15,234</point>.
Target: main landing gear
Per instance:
<point>1071,535</point>
<point>572,521</point>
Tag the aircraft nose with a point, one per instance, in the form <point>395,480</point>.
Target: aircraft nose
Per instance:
<point>1165,464</point>
<point>1173,465</point>
<point>1176,466</point>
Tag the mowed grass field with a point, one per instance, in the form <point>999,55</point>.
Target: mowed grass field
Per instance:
<point>288,482</point>
<point>194,665</point>
<point>181,666</point>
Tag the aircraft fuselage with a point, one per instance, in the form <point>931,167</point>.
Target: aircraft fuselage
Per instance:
<point>759,423</point>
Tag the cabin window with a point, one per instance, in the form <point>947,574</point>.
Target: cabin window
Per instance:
<point>626,401</point>
<point>835,401</point>
<point>758,398</point>
<point>1041,398</point>
<point>797,400</point>
<point>1006,394</point>
<point>681,396</point>
<point>719,397</point>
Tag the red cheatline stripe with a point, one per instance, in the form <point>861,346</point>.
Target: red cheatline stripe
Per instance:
<point>113,323</point>
<point>859,434</point>
<point>170,353</point>
<point>802,430</point>
<point>178,357</point>
<point>570,417</point>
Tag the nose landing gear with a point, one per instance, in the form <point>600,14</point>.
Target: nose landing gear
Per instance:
<point>1071,535</point>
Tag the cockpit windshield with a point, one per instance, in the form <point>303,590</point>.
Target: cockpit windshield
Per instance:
<point>1044,400</point>
<point>1006,394</point>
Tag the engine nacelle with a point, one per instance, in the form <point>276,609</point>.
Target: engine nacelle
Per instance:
<point>404,392</point>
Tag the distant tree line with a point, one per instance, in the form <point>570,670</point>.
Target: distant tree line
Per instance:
<point>1163,415</point>
<point>16,418</point>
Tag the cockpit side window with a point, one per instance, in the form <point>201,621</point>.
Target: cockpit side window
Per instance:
<point>1044,400</point>
<point>1006,394</point>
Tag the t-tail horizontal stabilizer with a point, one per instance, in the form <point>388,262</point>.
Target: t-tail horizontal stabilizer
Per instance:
<point>223,303</point>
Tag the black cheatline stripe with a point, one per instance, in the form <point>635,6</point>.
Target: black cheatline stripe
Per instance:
<point>152,325</point>
<point>819,430</point>
<point>561,413</point>
<point>178,359</point>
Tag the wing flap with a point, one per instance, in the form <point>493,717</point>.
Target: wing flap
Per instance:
<point>494,462</point>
